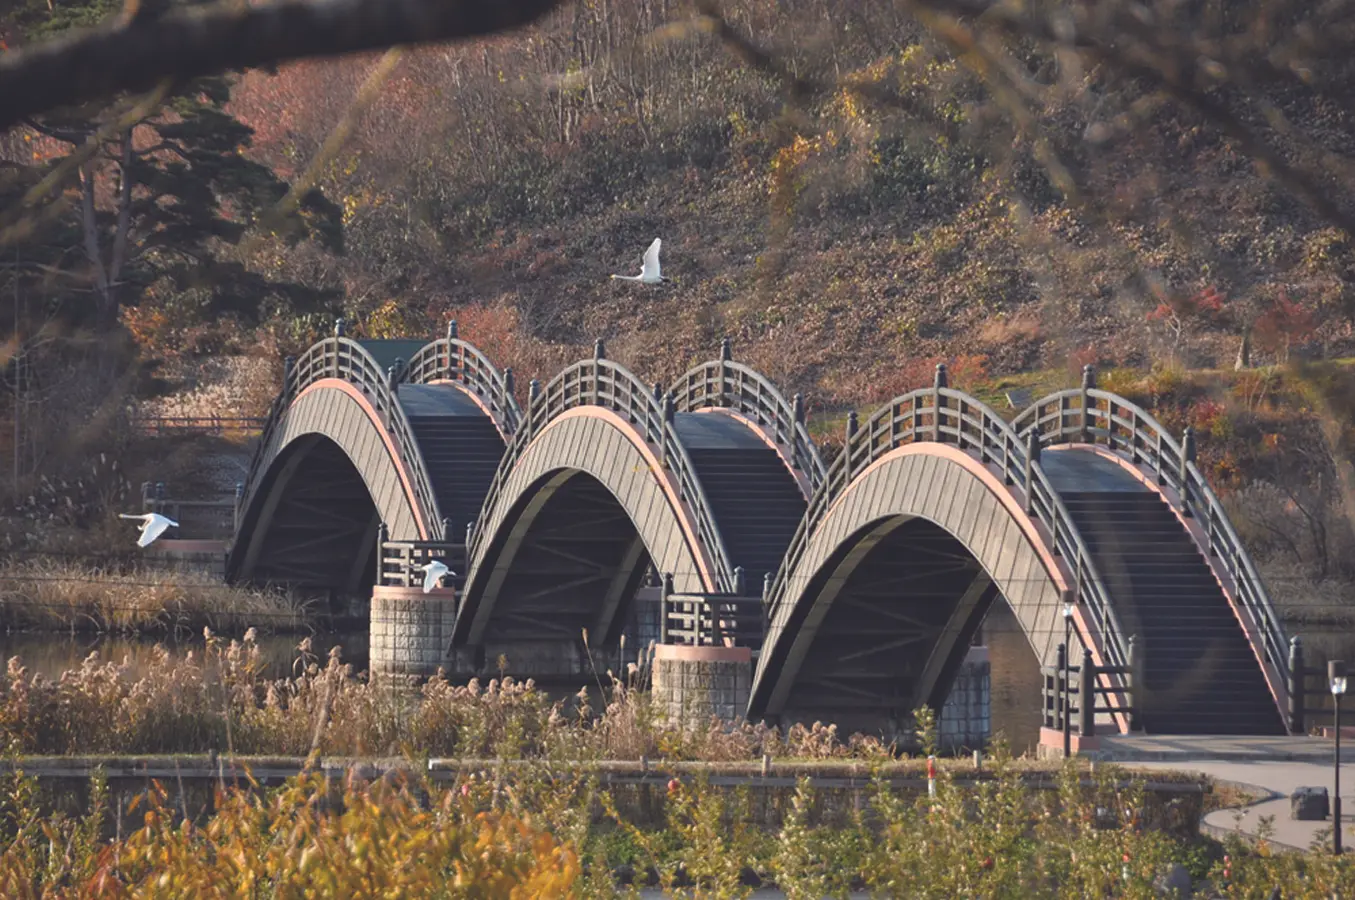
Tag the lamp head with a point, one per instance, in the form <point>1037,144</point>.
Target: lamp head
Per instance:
<point>1336,676</point>
<point>1067,611</point>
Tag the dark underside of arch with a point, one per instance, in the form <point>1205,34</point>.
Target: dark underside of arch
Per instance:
<point>572,560</point>
<point>906,599</point>
<point>314,525</point>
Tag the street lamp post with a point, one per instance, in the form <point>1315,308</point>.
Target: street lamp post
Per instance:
<point>1336,676</point>
<point>1067,651</point>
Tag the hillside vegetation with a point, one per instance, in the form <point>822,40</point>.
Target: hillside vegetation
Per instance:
<point>844,243</point>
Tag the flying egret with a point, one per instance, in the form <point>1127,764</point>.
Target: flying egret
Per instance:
<point>649,269</point>
<point>152,526</point>
<point>433,573</point>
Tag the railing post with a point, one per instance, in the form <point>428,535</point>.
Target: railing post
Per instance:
<point>1032,460</point>
<point>939,383</point>
<point>1088,382</point>
<point>340,329</point>
<point>1297,684</point>
<point>1086,704</point>
<point>288,366</point>
<point>533,393</point>
<point>452,330</point>
<point>664,593</point>
<point>1183,475</point>
<point>1061,674</point>
<point>852,426</point>
<point>509,382</point>
<point>657,392</point>
<point>669,410</point>
<point>382,533</point>
<point>726,354</point>
<point>599,354</point>
<point>1134,683</point>
<point>394,372</point>
<point>446,529</point>
<point>740,584</point>
<point>797,408</point>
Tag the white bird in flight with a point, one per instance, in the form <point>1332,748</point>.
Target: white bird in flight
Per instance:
<point>152,526</point>
<point>649,269</point>
<point>433,573</point>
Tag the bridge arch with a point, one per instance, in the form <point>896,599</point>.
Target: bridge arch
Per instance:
<point>337,425</point>
<point>932,510</point>
<point>595,442</point>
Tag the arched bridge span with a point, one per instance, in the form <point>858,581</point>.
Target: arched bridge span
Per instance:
<point>884,562</point>
<point>609,477</point>
<point>357,439</point>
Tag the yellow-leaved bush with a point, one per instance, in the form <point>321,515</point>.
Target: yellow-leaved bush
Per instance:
<point>306,839</point>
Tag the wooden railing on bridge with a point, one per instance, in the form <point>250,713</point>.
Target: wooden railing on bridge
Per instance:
<point>725,384</point>
<point>1071,697</point>
<point>711,619</point>
<point>400,563</point>
<point>1087,415</point>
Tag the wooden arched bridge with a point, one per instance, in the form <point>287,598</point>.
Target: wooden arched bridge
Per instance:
<point>858,585</point>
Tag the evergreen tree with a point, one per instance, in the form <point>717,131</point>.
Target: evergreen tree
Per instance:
<point>162,203</point>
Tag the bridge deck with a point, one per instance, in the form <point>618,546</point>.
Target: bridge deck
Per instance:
<point>460,446</point>
<point>1200,673</point>
<point>756,501</point>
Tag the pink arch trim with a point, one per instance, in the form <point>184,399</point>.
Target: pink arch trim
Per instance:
<point>1037,535</point>
<point>667,483</point>
<point>338,384</point>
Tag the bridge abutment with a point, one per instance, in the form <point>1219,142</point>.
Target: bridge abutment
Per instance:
<point>693,684</point>
<point>410,631</point>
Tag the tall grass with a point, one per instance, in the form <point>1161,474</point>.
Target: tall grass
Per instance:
<point>55,595</point>
<point>221,699</point>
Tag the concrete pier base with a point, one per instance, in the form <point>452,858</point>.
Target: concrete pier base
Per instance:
<point>411,631</point>
<point>694,684</point>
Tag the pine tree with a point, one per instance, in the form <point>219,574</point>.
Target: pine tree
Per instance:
<point>162,204</point>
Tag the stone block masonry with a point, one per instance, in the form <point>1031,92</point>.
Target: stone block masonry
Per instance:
<point>410,630</point>
<point>965,720</point>
<point>694,684</point>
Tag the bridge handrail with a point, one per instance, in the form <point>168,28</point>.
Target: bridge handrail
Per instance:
<point>953,417</point>
<point>346,359</point>
<point>452,359</point>
<point>1077,415</point>
<point>602,382</point>
<point>723,383</point>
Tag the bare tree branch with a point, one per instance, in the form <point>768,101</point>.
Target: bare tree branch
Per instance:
<point>190,43</point>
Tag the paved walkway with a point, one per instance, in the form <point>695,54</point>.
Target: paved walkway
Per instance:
<point>1273,766</point>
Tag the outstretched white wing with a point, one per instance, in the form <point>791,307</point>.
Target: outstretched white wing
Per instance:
<point>650,269</point>
<point>433,573</point>
<point>155,525</point>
